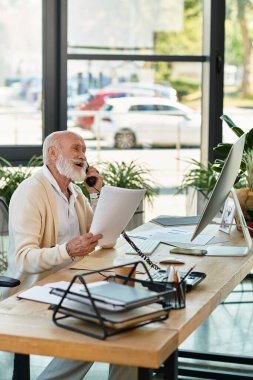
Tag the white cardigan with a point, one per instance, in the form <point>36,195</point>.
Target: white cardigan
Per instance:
<point>33,252</point>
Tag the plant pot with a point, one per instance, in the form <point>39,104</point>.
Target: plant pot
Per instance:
<point>195,202</point>
<point>245,197</point>
<point>138,217</point>
<point>249,224</point>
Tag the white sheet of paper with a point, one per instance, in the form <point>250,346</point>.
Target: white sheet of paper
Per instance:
<point>114,210</point>
<point>174,236</point>
<point>42,293</point>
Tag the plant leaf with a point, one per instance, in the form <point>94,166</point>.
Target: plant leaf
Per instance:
<point>223,148</point>
<point>238,131</point>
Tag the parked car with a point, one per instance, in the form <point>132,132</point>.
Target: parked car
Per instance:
<point>131,121</point>
<point>94,102</point>
<point>146,89</point>
<point>96,98</point>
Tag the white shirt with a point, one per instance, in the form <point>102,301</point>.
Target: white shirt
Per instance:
<point>68,220</point>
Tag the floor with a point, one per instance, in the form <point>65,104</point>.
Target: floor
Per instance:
<point>228,330</point>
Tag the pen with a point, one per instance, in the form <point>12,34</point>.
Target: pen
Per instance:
<point>187,273</point>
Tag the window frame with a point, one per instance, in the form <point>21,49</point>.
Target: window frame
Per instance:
<point>55,59</point>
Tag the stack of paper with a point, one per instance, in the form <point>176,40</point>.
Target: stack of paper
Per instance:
<point>110,306</point>
<point>117,306</point>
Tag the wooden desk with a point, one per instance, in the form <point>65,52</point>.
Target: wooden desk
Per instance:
<point>26,327</point>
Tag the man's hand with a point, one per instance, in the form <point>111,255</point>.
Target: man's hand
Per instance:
<point>82,245</point>
<point>93,172</point>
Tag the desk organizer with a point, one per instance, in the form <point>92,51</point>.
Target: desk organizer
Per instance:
<point>78,310</point>
<point>176,299</point>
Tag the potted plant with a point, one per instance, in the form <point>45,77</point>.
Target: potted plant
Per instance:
<point>198,183</point>
<point>11,177</point>
<point>130,176</point>
<point>127,175</point>
<point>244,180</point>
<point>203,178</point>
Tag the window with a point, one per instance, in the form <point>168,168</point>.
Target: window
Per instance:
<point>143,107</point>
<point>141,51</point>
<point>136,54</point>
<point>238,69</point>
<point>21,72</point>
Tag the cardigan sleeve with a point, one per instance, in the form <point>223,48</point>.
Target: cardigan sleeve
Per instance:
<point>33,229</point>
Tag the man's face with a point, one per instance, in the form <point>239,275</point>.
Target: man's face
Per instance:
<point>71,161</point>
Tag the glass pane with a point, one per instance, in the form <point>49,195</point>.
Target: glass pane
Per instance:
<point>135,26</point>
<point>20,72</point>
<point>238,74</point>
<point>108,108</point>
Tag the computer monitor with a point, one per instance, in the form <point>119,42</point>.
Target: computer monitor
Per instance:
<point>223,187</point>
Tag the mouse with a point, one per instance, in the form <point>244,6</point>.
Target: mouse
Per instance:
<point>172,260</point>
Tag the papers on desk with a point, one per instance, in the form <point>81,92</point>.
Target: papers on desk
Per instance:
<point>117,306</point>
<point>42,293</point>
<point>174,236</point>
<point>108,295</point>
<point>114,210</point>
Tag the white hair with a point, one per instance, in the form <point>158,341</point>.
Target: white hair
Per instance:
<point>50,140</point>
<point>53,140</point>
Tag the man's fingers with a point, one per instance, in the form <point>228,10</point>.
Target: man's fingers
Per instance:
<point>92,238</point>
<point>96,237</point>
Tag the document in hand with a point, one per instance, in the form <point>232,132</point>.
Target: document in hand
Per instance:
<point>114,210</point>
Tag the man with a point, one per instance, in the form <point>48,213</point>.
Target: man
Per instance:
<point>49,220</point>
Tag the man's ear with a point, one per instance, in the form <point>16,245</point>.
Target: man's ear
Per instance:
<point>52,153</point>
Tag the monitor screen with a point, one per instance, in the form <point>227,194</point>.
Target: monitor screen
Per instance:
<point>223,185</point>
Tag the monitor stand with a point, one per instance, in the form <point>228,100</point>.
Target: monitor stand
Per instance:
<point>234,250</point>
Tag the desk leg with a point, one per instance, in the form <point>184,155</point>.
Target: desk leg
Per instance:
<point>169,369</point>
<point>144,373</point>
<point>21,369</point>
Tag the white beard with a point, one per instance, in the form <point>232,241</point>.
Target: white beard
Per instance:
<point>67,168</point>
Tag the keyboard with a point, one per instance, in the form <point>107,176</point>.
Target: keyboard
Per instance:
<point>192,280</point>
<point>147,246</point>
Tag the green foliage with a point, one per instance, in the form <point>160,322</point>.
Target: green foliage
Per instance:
<point>233,45</point>
<point>200,177</point>
<point>84,189</point>
<point>185,87</point>
<point>11,177</point>
<point>203,178</point>
<point>130,176</point>
<point>162,72</point>
<point>245,175</point>
<point>187,41</point>
<point>121,174</point>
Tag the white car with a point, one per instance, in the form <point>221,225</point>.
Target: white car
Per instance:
<point>144,89</point>
<point>133,121</point>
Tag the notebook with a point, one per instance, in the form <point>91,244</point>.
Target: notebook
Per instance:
<point>176,220</point>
